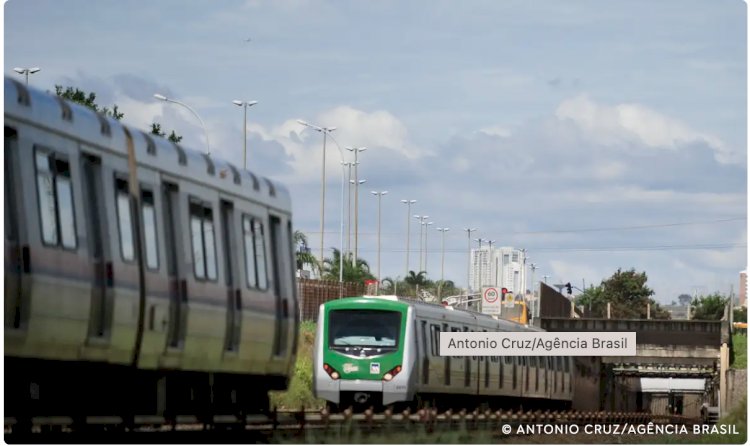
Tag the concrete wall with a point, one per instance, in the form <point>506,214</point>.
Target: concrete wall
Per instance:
<point>587,383</point>
<point>658,403</point>
<point>737,387</point>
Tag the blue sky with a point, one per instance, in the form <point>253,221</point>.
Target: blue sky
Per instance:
<point>596,135</point>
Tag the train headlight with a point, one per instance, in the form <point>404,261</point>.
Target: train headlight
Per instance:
<point>392,373</point>
<point>331,372</point>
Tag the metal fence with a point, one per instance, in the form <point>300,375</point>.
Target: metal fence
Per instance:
<point>313,293</point>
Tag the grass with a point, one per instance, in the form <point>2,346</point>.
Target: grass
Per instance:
<point>739,350</point>
<point>300,395</point>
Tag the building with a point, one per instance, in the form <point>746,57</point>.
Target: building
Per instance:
<point>503,267</point>
<point>743,289</point>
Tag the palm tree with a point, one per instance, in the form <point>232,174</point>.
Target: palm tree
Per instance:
<point>357,272</point>
<point>417,278</point>
<point>304,256</point>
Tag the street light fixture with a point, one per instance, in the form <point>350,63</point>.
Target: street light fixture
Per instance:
<point>326,131</point>
<point>26,71</point>
<point>245,105</point>
<point>161,97</point>
<point>442,260</point>
<point>468,273</point>
<point>379,195</point>
<point>408,204</point>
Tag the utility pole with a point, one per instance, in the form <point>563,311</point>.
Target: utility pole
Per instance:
<point>442,260</point>
<point>408,204</point>
<point>356,151</point>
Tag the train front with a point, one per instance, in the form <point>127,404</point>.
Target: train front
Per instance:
<point>364,352</point>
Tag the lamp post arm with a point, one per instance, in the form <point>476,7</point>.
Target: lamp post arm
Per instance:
<point>208,146</point>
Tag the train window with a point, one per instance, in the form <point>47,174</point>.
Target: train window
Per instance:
<point>435,341</point>
<point>260,254</point>
<point>149,229</point>
<point>255,252</point>
<point>124,220</point>
<point>55,194</point>
<point>202,235</point>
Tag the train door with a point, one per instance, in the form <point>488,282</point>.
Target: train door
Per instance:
<point>447,369</point>
<point>16,250</point>
<point>234,291</point>
<point>281,289</point>
<point>177,287</point>
<point>424,353</point>
<point>100,319</point>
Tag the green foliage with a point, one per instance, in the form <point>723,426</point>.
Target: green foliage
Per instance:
<point>739,351</point>
<point>627,294</point>
<point>87,99</point>
<point>300,394</point>
<point>709,307</point>
<point>156,130</point>
<point>740,314</point>
<point>304,256</point>
<point>358,271</point>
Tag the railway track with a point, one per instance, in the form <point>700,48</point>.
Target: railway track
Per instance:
<point>266,426</point>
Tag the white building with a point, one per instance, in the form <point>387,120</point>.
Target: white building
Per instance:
<point>503,267</point>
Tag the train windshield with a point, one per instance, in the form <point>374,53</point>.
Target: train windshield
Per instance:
<point>364,329</point>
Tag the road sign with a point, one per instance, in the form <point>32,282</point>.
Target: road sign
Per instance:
<point>491,301</point>
<point>510,301</point>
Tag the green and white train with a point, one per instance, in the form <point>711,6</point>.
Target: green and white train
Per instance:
<point>384,351</point>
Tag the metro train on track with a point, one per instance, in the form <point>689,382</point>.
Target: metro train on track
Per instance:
<point>141,277</point>
<point>384,351</point>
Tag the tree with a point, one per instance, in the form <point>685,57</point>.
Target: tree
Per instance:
<point>156,130</point>
<point>358,271</point>
<point>626,293</point>
<point>304,256</point>
<point>684,299</point>
<point>740,314</point>
<point>417,278</point>
<point>709,308</point>
<point>87,99</point>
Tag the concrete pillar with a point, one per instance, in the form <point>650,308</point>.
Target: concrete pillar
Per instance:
<point>723,387</point>
<point>608,311</point>
<point>648,311</point>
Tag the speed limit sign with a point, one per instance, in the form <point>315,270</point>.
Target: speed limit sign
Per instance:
<point>491,295</point>
<point>491,301</point>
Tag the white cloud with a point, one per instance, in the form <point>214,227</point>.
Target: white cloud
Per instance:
<point>634,124</point>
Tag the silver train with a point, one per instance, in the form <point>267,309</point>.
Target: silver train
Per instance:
<point>140,277</point>
<point>354,341</point>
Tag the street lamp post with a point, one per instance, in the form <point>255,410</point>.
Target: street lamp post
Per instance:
<point>408,204</point>
<point>245,105</point>
<point>426,230</point>
<point>326,131</point>
<point>161,97</point>
<point>421,219</point>
<point>356,211</point>
<point>356,151</point>
<point>26,71</point>
<point>349,207</point>
<point>379,195</point>
<point>442,260</point>
<point>468,272</point>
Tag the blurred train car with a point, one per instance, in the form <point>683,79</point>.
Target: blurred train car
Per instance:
<point>140,277</point>
<point>380,351</point>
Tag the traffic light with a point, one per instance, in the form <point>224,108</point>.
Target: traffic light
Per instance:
<point>569,287</point>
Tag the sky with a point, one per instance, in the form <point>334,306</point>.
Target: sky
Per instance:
<point>596,135</point>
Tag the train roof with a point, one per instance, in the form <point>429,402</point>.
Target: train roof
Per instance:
<point>400,301</point>
<point>106,134</point>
